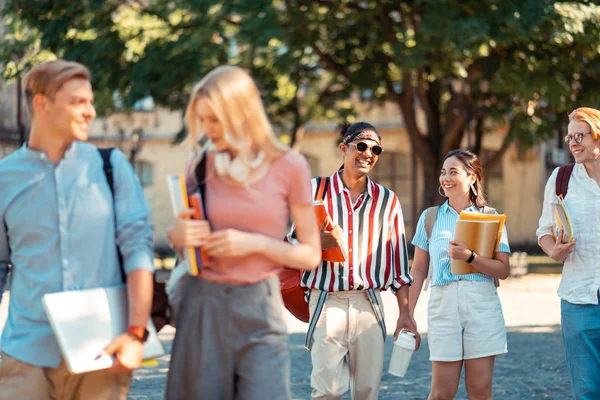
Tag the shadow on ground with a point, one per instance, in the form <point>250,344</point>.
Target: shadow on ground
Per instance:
<point>534,368</point>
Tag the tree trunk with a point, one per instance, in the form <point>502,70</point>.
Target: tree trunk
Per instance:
<point>431,192</point>
<point>297,135</point>
<point>428,148</point>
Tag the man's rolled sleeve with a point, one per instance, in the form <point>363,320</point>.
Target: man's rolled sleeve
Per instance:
<point>4,257</point>
<point>400,252</point>
<point>134,232</point>
<point>546,222</point>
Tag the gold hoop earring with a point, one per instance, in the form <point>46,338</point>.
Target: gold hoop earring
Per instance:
<point>440,191</point>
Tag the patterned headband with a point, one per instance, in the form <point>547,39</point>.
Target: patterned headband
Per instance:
<point>366,134</point>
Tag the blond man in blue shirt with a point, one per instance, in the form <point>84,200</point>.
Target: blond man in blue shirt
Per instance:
<point>59,231</point>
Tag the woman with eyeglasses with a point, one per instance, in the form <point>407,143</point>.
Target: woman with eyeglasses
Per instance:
<point>465,321</point>
<point>578,290</point>
<point>231,339</point>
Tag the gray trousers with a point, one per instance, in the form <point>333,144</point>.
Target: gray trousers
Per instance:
<point>230,343</point>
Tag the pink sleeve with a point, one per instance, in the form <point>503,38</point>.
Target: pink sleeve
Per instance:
<point>298,179</point>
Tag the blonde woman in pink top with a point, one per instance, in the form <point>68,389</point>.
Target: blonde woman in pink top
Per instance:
<point>231,339</point>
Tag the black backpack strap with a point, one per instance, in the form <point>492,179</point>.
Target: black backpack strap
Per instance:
<point>107,167</point>
<point>200,173</point>
<point>317,187</point>
<point>562,180</point>
<point>322,186</point>
<point>325,187</point>
<point>108,173</point>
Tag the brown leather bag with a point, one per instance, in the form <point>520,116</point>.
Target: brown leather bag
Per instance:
<point>293,294</point>
<point>289,278</point>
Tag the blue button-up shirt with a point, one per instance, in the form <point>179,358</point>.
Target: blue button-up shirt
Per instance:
<point>438,245</point>
<point>57,230</point>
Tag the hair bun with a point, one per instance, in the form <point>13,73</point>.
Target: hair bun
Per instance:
<point>344,128</point>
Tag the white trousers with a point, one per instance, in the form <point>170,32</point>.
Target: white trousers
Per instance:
<point>347,348</point>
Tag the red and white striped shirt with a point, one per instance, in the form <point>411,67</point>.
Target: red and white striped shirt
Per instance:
<point>373,233</point>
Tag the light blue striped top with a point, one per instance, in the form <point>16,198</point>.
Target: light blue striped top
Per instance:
<point>438,246</point>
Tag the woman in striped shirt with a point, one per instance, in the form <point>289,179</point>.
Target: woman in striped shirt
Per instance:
<point>465,319</point>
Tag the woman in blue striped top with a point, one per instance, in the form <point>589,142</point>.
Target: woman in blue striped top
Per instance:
<point>465,320</point>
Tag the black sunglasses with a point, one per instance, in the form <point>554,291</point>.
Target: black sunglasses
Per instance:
<point>362,147</point>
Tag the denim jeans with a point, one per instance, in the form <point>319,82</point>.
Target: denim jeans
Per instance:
<point>581,336</point>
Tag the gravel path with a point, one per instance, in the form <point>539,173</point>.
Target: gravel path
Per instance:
<point>533,369</point>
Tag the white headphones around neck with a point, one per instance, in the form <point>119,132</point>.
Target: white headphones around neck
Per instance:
<point>236,169</point>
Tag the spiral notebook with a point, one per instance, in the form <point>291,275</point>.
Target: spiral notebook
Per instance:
<point>86,321</point>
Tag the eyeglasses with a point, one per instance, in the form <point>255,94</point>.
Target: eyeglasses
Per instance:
<point>362,147</point>
<point>577,137</point>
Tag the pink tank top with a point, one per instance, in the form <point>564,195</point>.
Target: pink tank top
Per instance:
<point>263,207</point>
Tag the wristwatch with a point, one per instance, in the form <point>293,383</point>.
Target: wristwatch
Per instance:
<point>138,332</point>
<point>470,259</point>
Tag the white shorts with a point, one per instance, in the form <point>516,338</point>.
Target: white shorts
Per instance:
<point>465,321</point>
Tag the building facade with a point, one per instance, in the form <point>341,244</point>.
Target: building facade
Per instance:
<point>146,136</point>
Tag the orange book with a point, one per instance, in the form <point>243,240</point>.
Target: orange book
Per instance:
<point>180,200</point>
<point>338,254</point>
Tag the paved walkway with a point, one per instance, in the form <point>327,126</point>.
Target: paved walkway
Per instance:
<point>533,369</point>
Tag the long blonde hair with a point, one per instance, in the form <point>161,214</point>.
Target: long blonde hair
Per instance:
<point>235,100</point>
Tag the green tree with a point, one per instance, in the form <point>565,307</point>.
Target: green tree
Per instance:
<point>159,48</point>
<point>465,66</point>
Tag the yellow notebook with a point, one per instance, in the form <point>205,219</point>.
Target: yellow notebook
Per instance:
<point>563,222</point>
<point>484,237</point>
<point>476,216</point>
<point>477,235</point>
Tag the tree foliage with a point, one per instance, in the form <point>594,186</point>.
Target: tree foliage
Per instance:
<point>452,67</point>
<point>160,48</point>
<point>522,64</point>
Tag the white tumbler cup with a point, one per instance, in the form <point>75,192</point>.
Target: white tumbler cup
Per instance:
<point>404,347</point>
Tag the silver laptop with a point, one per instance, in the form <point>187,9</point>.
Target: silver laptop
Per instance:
<point>86,321</point>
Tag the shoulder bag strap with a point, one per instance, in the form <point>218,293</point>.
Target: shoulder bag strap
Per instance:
<point>562,180</point>
<point>200,173</point>
<point>430,217</point>
<point>322,184</point>
<point>489,210</point>
<point>108,173</point>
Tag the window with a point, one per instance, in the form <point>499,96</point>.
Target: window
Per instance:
<point>144,172</point>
